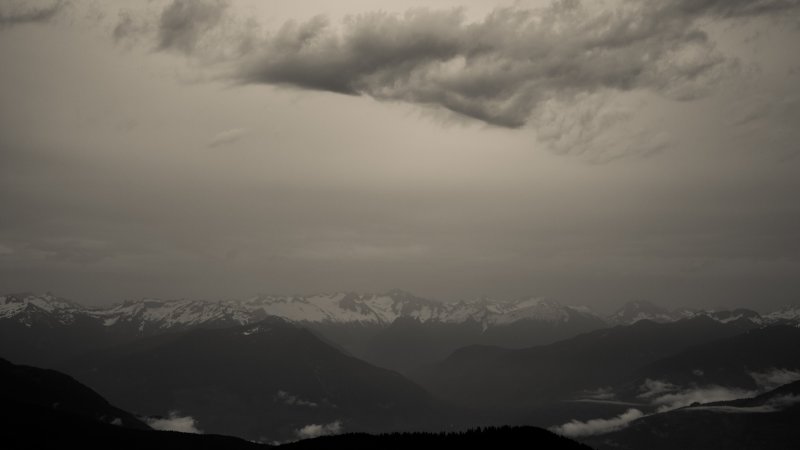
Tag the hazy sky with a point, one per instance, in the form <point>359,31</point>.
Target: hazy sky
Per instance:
<point>589,152</point>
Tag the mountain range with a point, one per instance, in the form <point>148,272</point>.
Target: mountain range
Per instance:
<point>273,369</point>
<point>396,329</point>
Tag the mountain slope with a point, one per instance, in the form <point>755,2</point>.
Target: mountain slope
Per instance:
<point>491,376</point>
<point>53,390</point>
<point>749,361</point>
<point>45,409</point>
<point>261,381</point>
<point>768,421</point>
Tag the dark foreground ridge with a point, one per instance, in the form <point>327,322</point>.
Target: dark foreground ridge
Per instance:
<point>491,437</point>
<point>45,409</point>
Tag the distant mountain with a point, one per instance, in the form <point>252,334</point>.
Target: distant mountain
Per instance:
<point>482,376</point>
<point>749,361</point>
<point>46,328</point>
<point>789,315</point>
<point>150,315</point>
<point>40,329</point>
<point>263,381</point>
<point>396,329</point>
<point>635,311</point>
<point>768,421</point>
<point>407,344</point>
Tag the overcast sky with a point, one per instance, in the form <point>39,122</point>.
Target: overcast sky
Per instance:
<point>589,152</point>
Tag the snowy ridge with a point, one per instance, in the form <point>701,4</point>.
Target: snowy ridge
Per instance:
<point>30,309</point>
<point>788,314</point>
<point>151,315</point>
<point>635,311</point>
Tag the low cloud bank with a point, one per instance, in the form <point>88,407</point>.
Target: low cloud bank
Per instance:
<point>315,430</point>
<point>577,428</point>
<point>292,400</point>
<point>708,394</point>
<point>771,379</point>
<point>174,422</point>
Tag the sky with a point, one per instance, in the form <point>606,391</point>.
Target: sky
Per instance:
<point>589,152</point>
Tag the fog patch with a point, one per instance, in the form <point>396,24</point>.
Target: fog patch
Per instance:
<point>174,422</point>
<point>315,430</point>
<point>292,400</point>
<point>227,137</point>
<point>577,428</point>
<point>775,404</point>
<point>773,378</point>
<point>652,388</point>
<point>686,397</point>
<point>600,394</point>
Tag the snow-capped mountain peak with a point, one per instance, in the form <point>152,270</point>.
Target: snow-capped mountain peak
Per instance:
<point>633,312</point>
<point>786,314</point>
<point>637,310</point>
<point>149,315</point>
<point>30,309</point>
<point>153,315</point>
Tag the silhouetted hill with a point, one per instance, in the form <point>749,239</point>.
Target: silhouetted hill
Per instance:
<point>58,392</point>
<point>46,409</point>
<point>501,437</point>
<point>28,426</point>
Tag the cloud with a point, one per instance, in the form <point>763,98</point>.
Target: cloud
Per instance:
<point>289,399</point>
<point>559,69</point>
<point>774,378</point>
<point>78,250</point>
<point>606,393</point>
<point>577,428</point>
<point>667,396</point>
<point>502,69</point>
<point>708,394</point>
<point>772,405</point>
<point>129,28</point>
<point>227,137</point>
<point>175,422</point>
<point>184,22</point>
<point>652,388</point>
<point>314,430</point>
<point>21,12</point>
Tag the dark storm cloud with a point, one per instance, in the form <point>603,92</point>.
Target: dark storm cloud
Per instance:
<point>17,13</point>
<point>503,69</point>
<point>183,22</point>
<point>128,27</point>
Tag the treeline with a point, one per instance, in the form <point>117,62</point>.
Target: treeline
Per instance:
<point>505,437</point>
